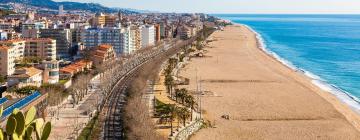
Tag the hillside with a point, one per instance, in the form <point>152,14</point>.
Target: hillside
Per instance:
<point>94,7</point>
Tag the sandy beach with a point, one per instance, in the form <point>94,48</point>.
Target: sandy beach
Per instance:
<point>263,98</point>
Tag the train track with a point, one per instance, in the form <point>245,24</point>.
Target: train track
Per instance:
<point>113,129</point>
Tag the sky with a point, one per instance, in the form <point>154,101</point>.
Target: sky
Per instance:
<point>238,6</point>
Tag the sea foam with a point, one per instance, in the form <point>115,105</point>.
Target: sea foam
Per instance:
<point>345,97</point>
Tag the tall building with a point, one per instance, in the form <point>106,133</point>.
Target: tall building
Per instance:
<point>61,10</point>
<point>63,40</point>
<point>135,34</point>
<point>96,36</point>
<point>110,21</point>
<point>101,20</point>
<point>147,35</point>
<point>7,58</point>
<point>120,39</point>
<point>184,32</point>
<point>44,48</point>
<point>157,33</point>
<point>127,41</point>
<point>17,45</point>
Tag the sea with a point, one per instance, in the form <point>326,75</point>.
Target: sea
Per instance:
<point>325,48</point>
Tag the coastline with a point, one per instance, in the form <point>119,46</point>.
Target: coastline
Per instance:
<point>341,95</point>
<point>352,101</point>
<point>264,98</point>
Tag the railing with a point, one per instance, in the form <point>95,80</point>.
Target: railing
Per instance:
<point>187,131</point>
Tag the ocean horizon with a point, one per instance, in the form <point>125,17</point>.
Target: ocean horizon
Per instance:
<point>324,47</point>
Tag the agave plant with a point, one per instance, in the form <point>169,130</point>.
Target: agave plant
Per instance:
<point>21,127</point>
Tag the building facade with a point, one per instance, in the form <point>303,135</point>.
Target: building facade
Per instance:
<point>102,54</point>
<point>44,48</point>
<point>18,46</point>
<point>51,71</point>
<point>7,60</point>
<point>147,35</point>
<point>63,40</point>
<point>25,76</point>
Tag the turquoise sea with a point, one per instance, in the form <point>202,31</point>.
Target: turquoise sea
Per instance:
<point>323,47</point>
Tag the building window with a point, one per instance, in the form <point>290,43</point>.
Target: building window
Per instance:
<point>53,73</point>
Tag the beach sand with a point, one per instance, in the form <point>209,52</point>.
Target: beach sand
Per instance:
<point>264,99</point>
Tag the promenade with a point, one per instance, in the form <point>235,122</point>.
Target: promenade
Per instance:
<point>68,121</point>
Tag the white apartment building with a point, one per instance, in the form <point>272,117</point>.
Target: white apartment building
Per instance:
<point>7,58</point>
<point>147,35</point>
<point>94,37</point>
<point>127,41</point>
<point>18,46</point>
<point>119,39</point>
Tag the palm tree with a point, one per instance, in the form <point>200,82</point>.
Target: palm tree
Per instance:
<point>184,93</point>
<point>183,114</point>
<point>169,82</point>
<point>177,94</point>
<point>172,62</point>
<point>190,102</point>
<point>169,112</point>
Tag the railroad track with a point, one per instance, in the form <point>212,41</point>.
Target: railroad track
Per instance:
<point>113,129</point>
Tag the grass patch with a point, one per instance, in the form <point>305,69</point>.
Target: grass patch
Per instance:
<point>87,131</point>
<point>63,81</point>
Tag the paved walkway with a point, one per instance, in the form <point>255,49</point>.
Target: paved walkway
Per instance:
<point>161,94</point>
<point>68,121</point>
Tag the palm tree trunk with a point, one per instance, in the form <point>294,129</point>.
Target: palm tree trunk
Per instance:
<point>184,121</point>
<point>191,114</point>
<point>171,125</point>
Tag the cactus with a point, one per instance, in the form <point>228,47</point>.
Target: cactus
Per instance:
<point>20,127</point>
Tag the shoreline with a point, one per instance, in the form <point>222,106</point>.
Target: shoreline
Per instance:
<point>316,80</point>
<point>264,98</point>
<point>341,95</point>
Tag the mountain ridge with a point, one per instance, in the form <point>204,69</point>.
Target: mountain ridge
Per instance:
<point>94,7</point>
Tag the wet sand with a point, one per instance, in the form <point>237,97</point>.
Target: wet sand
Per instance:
<point>263,98</point>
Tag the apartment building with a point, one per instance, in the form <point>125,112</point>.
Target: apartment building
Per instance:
<point>147,35</point>
<point>18,45</point>
<point>127,41</point>
<point>44,48</point>
<point>102,54</point>
<point>63,40</point>
<point>157,33</point>
<point>101,20</point>
<point>7,58</point>
<point>135,33</point>
<point>121,39</point>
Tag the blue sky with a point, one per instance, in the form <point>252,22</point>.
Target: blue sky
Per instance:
<point>238,6</point>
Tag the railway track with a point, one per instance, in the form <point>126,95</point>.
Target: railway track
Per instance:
<point>112,128</point>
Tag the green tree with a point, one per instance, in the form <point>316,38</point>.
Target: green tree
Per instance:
<point>2,79</point>
<point>169,83</point>
<point>191,103</point>
<point>168,112</point>
<point>183,114</point>
<point>26,90</point>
